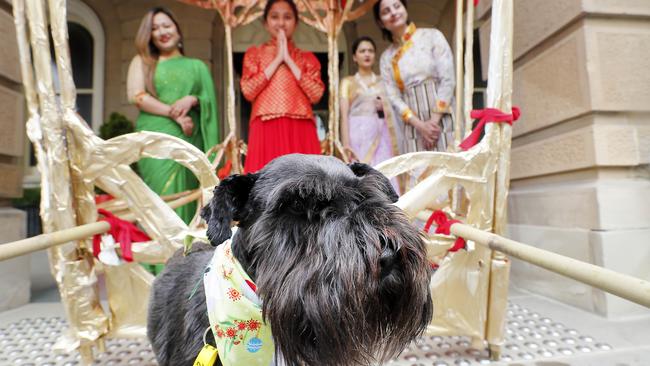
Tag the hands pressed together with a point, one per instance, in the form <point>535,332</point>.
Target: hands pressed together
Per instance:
<point>283,56</point>
<point>179,110</point>
<point>429,129</point>
<point>283,48</point>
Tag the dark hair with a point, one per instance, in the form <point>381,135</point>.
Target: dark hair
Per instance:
<point>269,4</point>
<point>357,43</point>
<point>384,32</point>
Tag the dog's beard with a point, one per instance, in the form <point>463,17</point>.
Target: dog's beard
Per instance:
<point>348,290</point>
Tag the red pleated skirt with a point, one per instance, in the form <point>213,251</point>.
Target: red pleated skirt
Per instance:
<point>279,136</point>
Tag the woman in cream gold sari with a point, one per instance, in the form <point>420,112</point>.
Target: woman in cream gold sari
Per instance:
<point>367,126</point>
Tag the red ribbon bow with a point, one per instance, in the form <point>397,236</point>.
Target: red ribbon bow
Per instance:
<point>122,231</point>
<point>485,116</point>
<point>444,227</point>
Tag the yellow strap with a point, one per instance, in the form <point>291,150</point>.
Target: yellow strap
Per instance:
<point>207,356</point>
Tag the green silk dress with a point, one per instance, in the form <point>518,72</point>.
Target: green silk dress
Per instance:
<point>175,78</point>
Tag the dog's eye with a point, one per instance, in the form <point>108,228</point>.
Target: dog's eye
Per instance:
<point>297,206</point>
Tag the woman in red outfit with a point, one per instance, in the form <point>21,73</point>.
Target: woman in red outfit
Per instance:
<point>282,82</point>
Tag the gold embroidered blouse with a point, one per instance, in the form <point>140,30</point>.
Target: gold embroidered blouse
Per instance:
<point>282,95</point>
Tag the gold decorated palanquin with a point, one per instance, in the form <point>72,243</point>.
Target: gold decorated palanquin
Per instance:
<point>469,287</point>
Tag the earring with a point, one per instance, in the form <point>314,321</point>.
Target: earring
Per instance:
<point>180,44</point>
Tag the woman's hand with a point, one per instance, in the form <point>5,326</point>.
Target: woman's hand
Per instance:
<point>282,47</point>
<point>379,104</point>
<point>352,157</point>
<point>429,129</point>
<point>279,56</point>
<point>286,56</point>
<point>186,123</point>
<point>182,106</point>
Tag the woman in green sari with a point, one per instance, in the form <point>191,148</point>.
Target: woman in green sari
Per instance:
<point>175,95</point>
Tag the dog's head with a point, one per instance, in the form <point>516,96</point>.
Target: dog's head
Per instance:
<point>342,273</point>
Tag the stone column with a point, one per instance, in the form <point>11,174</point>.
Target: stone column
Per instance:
<point>580,174</point>
<point>14,274</point>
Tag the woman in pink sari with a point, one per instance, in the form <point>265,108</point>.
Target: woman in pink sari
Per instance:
<point>367,124</point>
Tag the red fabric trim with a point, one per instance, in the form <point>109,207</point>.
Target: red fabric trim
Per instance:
<point>476,2</point>
<point>225,170</point>
<point>251,285</point>
<point>488,115</point>
<point>101,198</point>
<point>443,226</point>
<point>123,232</point>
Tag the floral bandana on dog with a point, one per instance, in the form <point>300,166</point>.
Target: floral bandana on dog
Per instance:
<point>235,312</point>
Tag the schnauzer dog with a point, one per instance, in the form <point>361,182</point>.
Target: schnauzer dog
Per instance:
<point>341,274</point>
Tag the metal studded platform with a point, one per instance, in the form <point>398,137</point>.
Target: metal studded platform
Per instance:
<point>530,336</point>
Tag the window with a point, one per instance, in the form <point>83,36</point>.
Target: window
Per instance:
<point>81,55</point>
<point>87,43</point>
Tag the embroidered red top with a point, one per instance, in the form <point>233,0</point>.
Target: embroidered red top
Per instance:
<point>282,95</point>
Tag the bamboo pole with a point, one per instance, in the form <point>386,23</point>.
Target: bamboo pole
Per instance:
<point>625,286</point>
<point>469,71</point>
<point>458,114</point>
<point>332,71</point>
<point>45,241</point>
<point>232,123</point>
<point>49,240</point>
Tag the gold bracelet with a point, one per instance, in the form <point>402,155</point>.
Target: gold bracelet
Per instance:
<point>442,106</point>
<point>406,115</point>
<point>139,97</point>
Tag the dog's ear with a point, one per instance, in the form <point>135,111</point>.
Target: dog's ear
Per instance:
<point>228,204</point>
<point>366,171</point>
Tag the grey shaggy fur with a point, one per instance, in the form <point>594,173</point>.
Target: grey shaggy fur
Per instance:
<point>342,274</point>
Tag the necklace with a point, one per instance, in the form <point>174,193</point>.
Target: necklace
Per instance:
<point>364,86</point>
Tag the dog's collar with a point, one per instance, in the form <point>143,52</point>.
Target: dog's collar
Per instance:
<point>235,312</point>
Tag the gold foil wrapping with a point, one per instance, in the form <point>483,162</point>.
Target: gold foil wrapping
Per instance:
<point>128,286</point>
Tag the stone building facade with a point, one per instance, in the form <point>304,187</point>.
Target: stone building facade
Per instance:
<point>581,151</point>
<point>580,175</point>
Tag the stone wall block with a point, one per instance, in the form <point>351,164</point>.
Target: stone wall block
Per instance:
<point>9,62</point>
<point>627,252</point>
<point>570,151</point>
<point>624,251</point>
<point>11,180</point>
<point>612,204</point>
<point>536,20</point>
<point>573,243</point>
<point>563,205</point>
<point>14,273</point>
<point>617,7</point>
<point>618,60</point>
<point>552,87</point>
<point>591,146</point>
<point>12,123</point>
<point>616,145</point>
